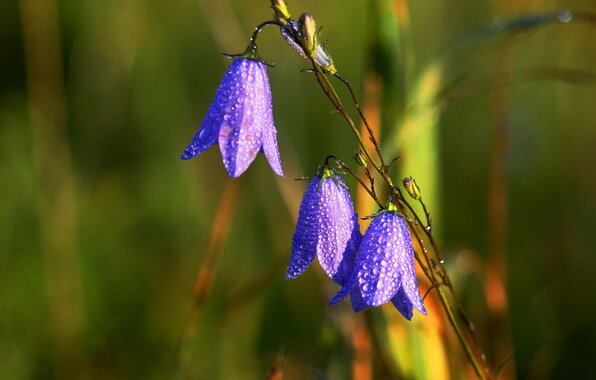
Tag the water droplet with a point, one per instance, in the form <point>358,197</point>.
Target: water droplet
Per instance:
<point>565,16</point>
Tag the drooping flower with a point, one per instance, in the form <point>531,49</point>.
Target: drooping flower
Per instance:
<point>327,227</point>
<point>384,269</point>
<point>240,120</point>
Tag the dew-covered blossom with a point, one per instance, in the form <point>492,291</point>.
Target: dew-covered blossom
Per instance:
<point>327,227</point>
<point>384,268</point>
<point>240,119</point>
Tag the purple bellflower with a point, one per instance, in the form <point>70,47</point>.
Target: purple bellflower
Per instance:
<point>240,120</point>
<point>384,269</point>
<point>327,227</point>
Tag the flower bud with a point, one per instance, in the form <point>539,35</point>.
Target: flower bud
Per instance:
<point>360,159</point>
<point>280,8</point>
<point>291,32</point>
<point>308,32</point>
<point>412,188</point>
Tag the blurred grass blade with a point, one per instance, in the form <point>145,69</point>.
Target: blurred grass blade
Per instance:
<point>55,183</point>
<point>415,139</point>
<point>388,56</point>
<point>220,229</point>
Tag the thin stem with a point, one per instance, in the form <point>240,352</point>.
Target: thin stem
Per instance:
<point>370,191</point>
<point>336,101</point>
<point>426,214</point>
<point>258,28</point>
<point>364,120</point>
<point>444,274</point>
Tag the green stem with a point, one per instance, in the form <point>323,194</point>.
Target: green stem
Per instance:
<point>444,274</point>
<point>364,120</point>
<point>334,98</point>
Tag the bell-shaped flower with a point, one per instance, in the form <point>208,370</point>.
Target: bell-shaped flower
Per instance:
<point>240,119</point>
<point>384,268</point>
<point>327,227</point>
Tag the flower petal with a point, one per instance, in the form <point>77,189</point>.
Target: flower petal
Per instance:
<point>403,304</point>
<point>377,266</point>
<point>304,242</point>
<point>338,230</point>
<point>346,265</point>
<point>240,137</point>
<point>358,303</point>
<point>408,271</point>
<point>222,109</point>
<point>345,290</point>
<point>265,112</point>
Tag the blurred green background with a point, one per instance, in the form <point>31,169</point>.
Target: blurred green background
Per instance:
<point>103,228</point>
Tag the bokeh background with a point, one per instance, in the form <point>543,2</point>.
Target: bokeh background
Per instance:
<point>120,261</point>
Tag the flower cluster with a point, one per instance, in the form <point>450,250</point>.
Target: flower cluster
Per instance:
<point>374,269</point>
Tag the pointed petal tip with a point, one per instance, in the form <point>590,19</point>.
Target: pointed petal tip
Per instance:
<point>294,271</point>
<point>277,170</point>
<point>233,170</point>
<point>338,297</point>
<point>422,310</point>
<point>187,155</point>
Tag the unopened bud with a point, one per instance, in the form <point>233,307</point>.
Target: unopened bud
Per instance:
<point>280,8</point>
<point>360,159</point>
<point>412,188</point>
<point>308,33</point>
<point>291,32</point>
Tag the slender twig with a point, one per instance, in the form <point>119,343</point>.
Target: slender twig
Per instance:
<point>329,90</point>
<point>364,120</point>
<point>430,289</point>
<point>429,220</point>
<point>370,190</point>
<point>258,28</point>
<point>444,274</point>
